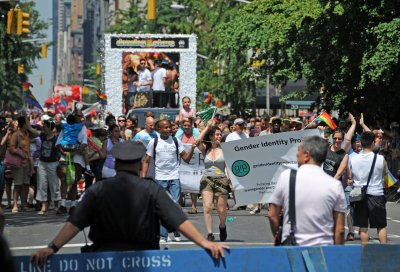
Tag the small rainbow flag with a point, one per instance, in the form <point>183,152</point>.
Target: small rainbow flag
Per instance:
<point>101,98</point>
<point>207,97</point>
<point>389,179</point>
<point>326,118</point>
<point>29,98</point>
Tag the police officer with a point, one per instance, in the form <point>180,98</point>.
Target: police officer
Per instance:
<point>124,212</point>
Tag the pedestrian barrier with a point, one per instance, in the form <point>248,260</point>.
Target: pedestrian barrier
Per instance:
<point>328,258</point>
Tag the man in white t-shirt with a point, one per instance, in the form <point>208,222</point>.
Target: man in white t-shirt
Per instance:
<point>238,134</point>
<point>167,165</point>
<point>159,81</point>
<point>319,199</point>
<point>372,209</point>
<point>145,136</point>
<point>144,77</point>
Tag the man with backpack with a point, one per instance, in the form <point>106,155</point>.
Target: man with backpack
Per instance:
<point>166,150</point>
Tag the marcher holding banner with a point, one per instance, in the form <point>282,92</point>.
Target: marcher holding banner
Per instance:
<point>214,182</point>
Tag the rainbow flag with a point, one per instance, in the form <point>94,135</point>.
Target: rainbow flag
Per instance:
<point>389,179</point>
<point>29,98</point>
<point>207,97</point>
<point>326,118</point>
<point>101,98</point>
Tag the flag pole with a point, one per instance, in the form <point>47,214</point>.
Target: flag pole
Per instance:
<point>315,118</point>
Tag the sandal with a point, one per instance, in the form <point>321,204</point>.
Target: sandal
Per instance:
<point>14,210</point>
<point>42,212</point>
<point>256,210</point>
<point>193,211</point>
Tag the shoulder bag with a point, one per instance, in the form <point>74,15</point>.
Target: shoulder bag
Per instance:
<point>359,193</point>
<point>13,160</point>
<point>291,239</point>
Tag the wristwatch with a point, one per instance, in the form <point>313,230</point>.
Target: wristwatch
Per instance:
<point>53,247</point>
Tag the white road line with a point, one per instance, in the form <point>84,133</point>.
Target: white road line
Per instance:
<point>163,244</point>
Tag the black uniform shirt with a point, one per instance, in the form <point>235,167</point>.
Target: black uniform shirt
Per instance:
<point>126,209</point>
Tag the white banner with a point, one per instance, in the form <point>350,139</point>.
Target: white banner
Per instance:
<point>190,173</point>
<point>255,164</point>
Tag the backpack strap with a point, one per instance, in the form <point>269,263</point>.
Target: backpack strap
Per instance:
<point>292,201</point>
<point>154,148</point>
<point>176,145</point>
<point>370,171</point>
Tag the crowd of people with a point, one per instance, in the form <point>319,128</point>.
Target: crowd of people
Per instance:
<point>149,82</point>
<point>53,153</point>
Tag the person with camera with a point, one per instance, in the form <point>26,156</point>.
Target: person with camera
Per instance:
<point>19,146</point>
<point>125,212</point>
<point>319,204</point>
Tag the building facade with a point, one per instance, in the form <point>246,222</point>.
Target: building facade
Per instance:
<point>79,26</point>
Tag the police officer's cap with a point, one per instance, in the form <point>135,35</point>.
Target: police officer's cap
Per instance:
<point>128,151</point>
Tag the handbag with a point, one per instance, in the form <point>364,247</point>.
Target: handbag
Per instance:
<point>291,239</point>
<point>13,160</point>
<point>359,193</point>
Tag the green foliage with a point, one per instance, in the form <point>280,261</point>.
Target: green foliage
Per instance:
<point>14,52</point>
<point>348,47</point>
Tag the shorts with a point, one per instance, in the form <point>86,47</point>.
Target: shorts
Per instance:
<point>372,209</point>
<point>21,175</point>
<point>218,185</point>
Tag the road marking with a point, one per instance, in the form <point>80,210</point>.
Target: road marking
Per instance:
<point>163,244</point>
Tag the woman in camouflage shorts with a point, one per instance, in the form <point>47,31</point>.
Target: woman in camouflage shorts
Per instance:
<point>214,182</point>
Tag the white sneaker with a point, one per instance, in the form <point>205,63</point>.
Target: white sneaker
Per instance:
<point>177,238</point>
<point>163,240</point>
<point>169,239</point>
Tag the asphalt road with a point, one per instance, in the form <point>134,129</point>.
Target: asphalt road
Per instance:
<point>28,231</point>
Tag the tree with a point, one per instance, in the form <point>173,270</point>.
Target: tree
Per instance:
<point>218,73</point>
<point>14,52</point>
<point>347,49</point>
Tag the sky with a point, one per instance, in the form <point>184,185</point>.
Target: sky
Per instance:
<point>45,69</point>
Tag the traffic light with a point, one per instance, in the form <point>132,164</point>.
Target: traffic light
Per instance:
<point>11,22</point>
<point>20,69</point>
<point>151,9</point>
<point>44,50</point>
<point>85,90</point>
<point>22,22</point>
<point>98,69</point>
